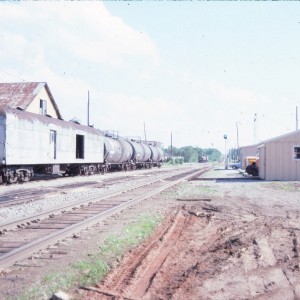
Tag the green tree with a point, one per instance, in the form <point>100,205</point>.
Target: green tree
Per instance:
<point>191,154</point>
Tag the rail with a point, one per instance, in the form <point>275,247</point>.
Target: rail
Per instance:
<point>91,215</point>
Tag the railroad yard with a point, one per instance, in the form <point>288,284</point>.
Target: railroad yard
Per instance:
<point>221,236</point>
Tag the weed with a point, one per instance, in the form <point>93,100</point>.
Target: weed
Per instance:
<point>286,186</point>
<point>92,269</point>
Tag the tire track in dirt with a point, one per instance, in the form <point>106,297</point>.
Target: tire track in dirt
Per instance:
<point>133,278</point>
<point>206,252</point>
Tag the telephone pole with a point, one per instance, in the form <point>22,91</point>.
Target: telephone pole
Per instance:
<point>296,117</point>
<point>145,132</point>
<point>254,124</point>
<point>171,145</point>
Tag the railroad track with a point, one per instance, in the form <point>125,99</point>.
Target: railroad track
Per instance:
<point>62,208</point>
<point>35,234</point>
<point>21,195</point>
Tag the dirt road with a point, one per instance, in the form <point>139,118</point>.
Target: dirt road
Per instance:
<point>228,238</point>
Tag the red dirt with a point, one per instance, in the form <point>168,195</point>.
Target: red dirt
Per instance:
<point>206,252</point>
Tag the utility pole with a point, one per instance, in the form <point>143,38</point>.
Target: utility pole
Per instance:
<point>237,135</point>
<point>296,117</point>
<point>254,124</point>
<point>171,145</point>
<point>88,110</point>
<point>237,141</point>
<point>145,132</point>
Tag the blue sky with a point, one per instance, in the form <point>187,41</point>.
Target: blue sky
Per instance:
<point>196,69</point>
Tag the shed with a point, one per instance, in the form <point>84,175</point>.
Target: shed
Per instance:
<point>245,151</point>
<point>279,157</point>
<point>34,97</point>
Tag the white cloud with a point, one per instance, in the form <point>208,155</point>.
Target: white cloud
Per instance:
<point>12,11</point>
<point>233,95</point>
<point>78,46</point>
<point>85,29</point>
<point>93,34</point>
<point>57,41</point>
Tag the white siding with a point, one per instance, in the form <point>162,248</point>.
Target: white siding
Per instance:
<point>247,151</point>
<point>28,142</point>
<point>34,106</point>
<point>279,160</point>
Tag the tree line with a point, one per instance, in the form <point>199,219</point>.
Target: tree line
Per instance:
<point>192,154</point>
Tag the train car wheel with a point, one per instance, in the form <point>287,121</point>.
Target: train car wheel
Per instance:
<point>12,177</point>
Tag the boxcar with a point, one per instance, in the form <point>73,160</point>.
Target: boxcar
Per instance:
<point>34,143</point>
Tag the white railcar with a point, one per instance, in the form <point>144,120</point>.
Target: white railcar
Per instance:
<point>34,143</point>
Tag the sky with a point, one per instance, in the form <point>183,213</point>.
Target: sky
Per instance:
<point>192,70</point>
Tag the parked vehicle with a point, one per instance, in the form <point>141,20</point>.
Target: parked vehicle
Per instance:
<point>252,165</point>
<point>234,166</point>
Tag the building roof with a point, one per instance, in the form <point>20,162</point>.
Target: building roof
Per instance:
<point>278,138</point>
<point>249,146</point>
<point>33,118</point>
<point>21,94</point>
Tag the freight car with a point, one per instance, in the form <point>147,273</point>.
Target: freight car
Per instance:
<point>32,143</point>
<point>157,153</point>
<point>202,158</point>
<point>129,154</point>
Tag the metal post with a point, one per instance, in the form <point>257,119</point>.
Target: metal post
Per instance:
<point>145,132</point>
<point>226,159</point>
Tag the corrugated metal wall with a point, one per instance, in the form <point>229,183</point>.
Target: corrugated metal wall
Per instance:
<point>276,158</point>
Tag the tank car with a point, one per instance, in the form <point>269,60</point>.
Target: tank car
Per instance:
<point>141,154</point>
<point>128,153</point>
<point>32,143</point>
<point>117,153</point>
<point>157,154</point>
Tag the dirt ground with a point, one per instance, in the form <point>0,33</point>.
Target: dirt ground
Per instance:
<point>229,238</point>
<point>224,237</point>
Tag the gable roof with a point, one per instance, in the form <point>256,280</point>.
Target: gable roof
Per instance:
<point>21,94</point>
<point>278,138</point>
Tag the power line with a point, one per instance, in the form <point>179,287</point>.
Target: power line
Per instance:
<point>13,75</point>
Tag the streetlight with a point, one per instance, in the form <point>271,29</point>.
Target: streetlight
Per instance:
<point>226,159</point>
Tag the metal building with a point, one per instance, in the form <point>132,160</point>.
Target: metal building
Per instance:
<point>279,157</point>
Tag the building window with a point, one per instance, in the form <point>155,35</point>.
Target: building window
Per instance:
<point>297,152</point>
<point>79,146</point>
<point>43,107</point>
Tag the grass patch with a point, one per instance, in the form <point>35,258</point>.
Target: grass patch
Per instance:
<point>195,189</point>
<point>132,235</point>
<point>286,186</point>
<point>93,268</point>
<point>205,189</point>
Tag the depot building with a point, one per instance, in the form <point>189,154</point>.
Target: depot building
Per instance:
<point>279,157</point>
